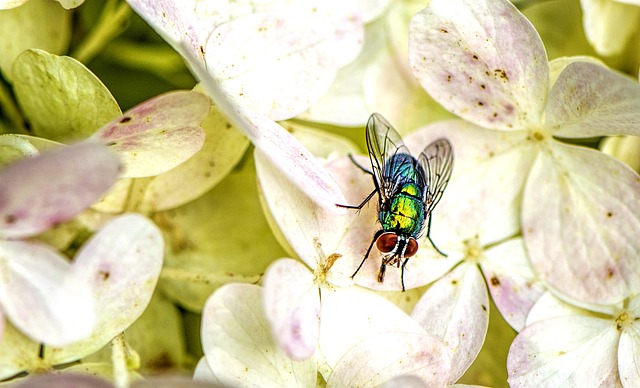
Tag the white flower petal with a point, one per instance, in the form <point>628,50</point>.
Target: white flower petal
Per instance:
<point>514,287</point>
<point>42,295</point>
<point>191,21</point>
<point>591,100</point>
<point>158,134</point>
<point>487,175</point>
<point>573,350</point>
<point>238,346</point>
<point>629,357</point>
<point>483,61</point>
<point>580,214</point>
<point>609,24</point>
<point>304,224</point>
<point>121,263</point>
<point>38,193</point>
<point>278,63</point>
<point>203,373</point>
<point>292,306</point>
<point>455,309</point>
<point>367,340</point>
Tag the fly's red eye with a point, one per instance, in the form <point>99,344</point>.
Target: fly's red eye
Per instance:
<point>412,247</point>
<point>387,242</point>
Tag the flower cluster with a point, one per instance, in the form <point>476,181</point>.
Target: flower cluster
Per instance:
<point>208,232</point>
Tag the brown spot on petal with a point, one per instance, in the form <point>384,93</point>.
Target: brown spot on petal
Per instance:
<point>104,275</point>
<point>10,219</point>
<point>125,120</point>
<point>494,281</point>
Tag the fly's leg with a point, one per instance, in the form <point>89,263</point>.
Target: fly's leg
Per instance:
<point>375,237</point>
<point>359,166</point>
<point>430,240</point>
<point>358,207</point>
<point>404,264</point>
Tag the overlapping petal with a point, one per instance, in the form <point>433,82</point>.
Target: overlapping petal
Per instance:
<point>42,296</point>
<point>455,309</point>
<point>158,134</point>
<point>292,307</point>
<point>32,202</point>
<point>483,61</point>
<point>238,346</point>
<point>513,285</point>
<point>583,242</point>
<point>121,264</point>
<point>377,342</point>
<point>590,100</point>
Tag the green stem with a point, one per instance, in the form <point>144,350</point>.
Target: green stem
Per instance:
<point>111,23</point>
<point>9,107</point>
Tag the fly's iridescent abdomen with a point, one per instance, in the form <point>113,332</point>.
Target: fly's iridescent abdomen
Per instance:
<point>408,189</point>
<point>404,212</point>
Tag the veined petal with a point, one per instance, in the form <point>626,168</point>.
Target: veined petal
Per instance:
<point>238,346</point>
<point>158,134</point>
<point>367,340</point>
<point>573,350</point>
<point>38,193</point>
<point>609,24</point>
<point>591,100</point>
<point>42,295</point>
<point>580,222</point>
<point>292,307</point>
<point>125,255</point>
<point>514,287</point>
<point>278,63</point>
<point>483,61</point>
<point>455,309</point>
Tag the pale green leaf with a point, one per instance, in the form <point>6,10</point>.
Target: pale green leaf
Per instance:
<point>60,97</point>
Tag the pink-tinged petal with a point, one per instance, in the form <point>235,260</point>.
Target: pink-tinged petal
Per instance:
<point>513,286</point>
<point>158,134</point>
<point>190,21</point>
<point>366,340</point>
<point>483,61</point>
<point>278,63</point>
<point>41,192</point>
<point>42,296</point>
<point>292,306</point>
<point>60,380</point>
<point>121,264</point>
<point>238,345</point>
<point>548,307</point>
<point>591,100</point>
<point>575,351</point>
<point>278,145</point>
<point>456,310</point>
<point>580,222</point>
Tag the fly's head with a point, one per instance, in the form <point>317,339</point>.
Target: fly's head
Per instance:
<point>395,250</point>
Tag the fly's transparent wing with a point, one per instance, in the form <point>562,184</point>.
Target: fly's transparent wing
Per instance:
<point>383,143</point>
<point>437,162</point>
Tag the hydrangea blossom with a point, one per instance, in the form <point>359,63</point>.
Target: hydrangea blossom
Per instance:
<point>500,83</point>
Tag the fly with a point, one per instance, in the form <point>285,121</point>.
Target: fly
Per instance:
<point>408,190</point>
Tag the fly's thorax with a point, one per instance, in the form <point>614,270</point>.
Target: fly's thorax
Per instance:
<point>403,167</point>
<point>404,212</point>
